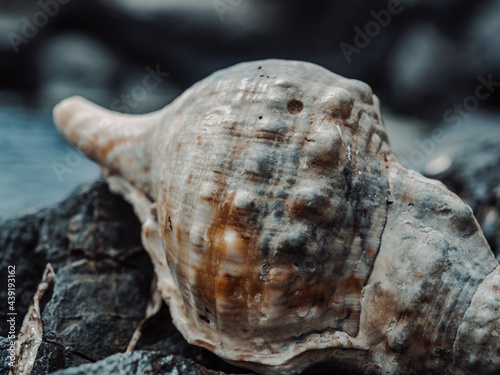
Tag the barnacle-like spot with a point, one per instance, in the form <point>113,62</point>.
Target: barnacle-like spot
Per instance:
<point>361,90</point>
<point>307,200</point>
<point>340,103</point>
<point>274,127</point>
<point>244,200</point>
<point>260,161</point>
<point>295,107</point>
<point>292,240</point>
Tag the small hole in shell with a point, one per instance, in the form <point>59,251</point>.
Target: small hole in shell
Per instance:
<point>204,318</point>
<point>260,117</point>
<point>295,107</point>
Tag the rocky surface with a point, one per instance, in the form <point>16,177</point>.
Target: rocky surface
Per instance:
<point>100,293</point>
<point>474,174</point>
<point>141,363</point>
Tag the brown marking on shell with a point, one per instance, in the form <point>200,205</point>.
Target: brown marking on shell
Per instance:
<point>106,149</point>
<point>205,345</point>
<point>229,290</point>
<point>209,268</point>
<point>352,285</point>
<point>295,107</point>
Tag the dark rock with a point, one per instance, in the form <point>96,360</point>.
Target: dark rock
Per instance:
<point>50,358</point>
<point>141,363</point>
<point>489,218</point>
<point>4,355</point>
<point>67,65</point>
<point>474,175</point>
<point>482,40</point>
<point>422,60</point>
<point>18,241</point>
<point>103,278</point>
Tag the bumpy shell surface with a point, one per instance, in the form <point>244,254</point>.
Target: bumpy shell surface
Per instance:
<point>284,232</point>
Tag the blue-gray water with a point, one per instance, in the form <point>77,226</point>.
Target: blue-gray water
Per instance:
<point>37,166</point>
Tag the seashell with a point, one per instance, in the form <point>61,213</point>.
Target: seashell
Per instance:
<point>284,232</point>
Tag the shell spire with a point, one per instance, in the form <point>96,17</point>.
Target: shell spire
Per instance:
<point>116,141</point>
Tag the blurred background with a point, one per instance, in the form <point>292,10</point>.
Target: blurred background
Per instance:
<point>434,65</point>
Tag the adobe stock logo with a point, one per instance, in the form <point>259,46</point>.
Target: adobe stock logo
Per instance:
<point>139,93</point>
<point>454,116</point>
<point>30,28</point>
<point>371,30</point>
<point>224,6</point>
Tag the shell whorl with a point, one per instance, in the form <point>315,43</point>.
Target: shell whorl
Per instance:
<point>272,199</point>
<point>285,226</point>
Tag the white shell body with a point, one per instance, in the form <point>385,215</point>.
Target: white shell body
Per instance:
<point>284,232</point>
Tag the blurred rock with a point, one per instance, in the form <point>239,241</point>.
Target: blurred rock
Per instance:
<point>474,175</point>
<point>75,64</point>
<point>482,41</point>
<point>489,217</point>
<point>433,5</point>
<point>421,68</point>
<point>428,53</point>
<point>402,132</point>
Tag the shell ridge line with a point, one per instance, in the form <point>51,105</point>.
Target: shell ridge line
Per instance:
<point>387,208</point>
<point>220,237</point>
<point>169,180</point>
<point>444,317</point>
<point>215,268</point>
<point>464,292</point>
<point>434,315</point>
<point>469,304</point>
<point>190,264</point>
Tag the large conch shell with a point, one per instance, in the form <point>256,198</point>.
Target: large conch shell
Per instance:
<point>284,232</point>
